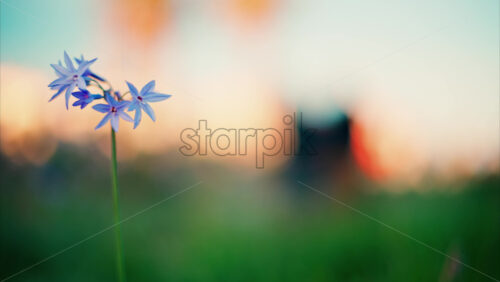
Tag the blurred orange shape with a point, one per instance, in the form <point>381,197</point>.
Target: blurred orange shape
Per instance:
<point>143,20</point>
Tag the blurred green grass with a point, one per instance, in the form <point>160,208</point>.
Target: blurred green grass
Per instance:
<point>235,228</point>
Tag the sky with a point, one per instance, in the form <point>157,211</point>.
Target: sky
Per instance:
<point>420,75</point>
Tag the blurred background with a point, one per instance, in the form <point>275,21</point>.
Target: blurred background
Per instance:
<point>404,94</point>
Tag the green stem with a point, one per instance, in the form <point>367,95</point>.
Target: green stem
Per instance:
<point>116,208</point>
<point>100,86</point>
<point>125,94</point>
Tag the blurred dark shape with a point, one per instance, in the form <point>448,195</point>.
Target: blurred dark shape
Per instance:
<point>34,147</point>
<point>330,167</point>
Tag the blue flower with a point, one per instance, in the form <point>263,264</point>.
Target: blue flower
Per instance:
<point>69,77</point>
<point>118,95</point>
<point>114,110</point>
<point>141,99</point>
<point>84,98</point>
<point>88,72</point>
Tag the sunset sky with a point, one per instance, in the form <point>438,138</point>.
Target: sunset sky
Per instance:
<point>427,86</point>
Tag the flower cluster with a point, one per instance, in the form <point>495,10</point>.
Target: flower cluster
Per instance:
<point>77,82</point>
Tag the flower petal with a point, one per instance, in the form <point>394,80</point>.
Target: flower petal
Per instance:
<point>68,93</point>
<point>125,116</point>
<point>69,63</point>
<point>148,110</point>
<point>133,105</point>
<point>137,117</point>
<point>81,83</point>
<point>58,73</point>
<point>156,97</point>
<point>115,122</point>
<point>111,101</point>
<point>103,121</point>
<point>79,94</point>
<point>79,60</point>
<point>102,108</point>
<point>96,76</point>
<point>122,104</point>
<point>148,87</point>
<point>60,69</point>
<point>58,92</point>
<point>84,66</point>
<point>59,81</point>
<point>132,89</point>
